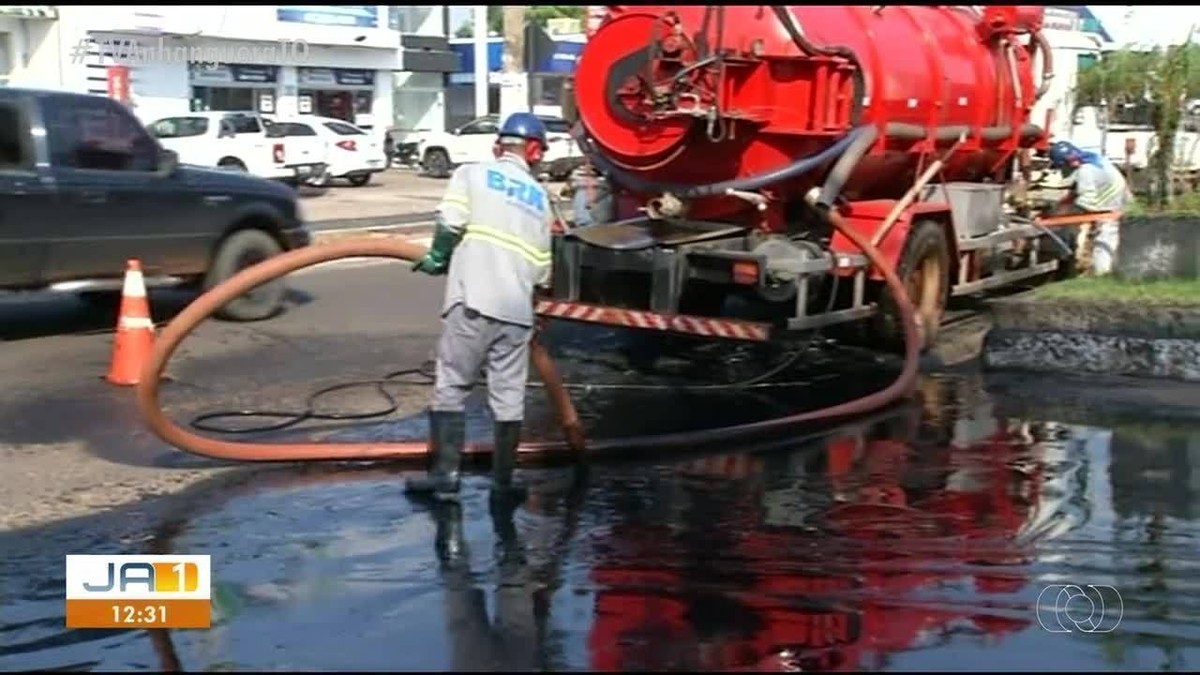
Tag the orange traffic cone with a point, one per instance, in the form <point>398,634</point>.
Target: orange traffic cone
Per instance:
<point>135,329</point>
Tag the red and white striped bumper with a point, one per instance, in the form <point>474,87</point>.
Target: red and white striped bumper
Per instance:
<point>672,323</point>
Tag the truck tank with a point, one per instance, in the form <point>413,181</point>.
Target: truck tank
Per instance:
<point>695,100</point>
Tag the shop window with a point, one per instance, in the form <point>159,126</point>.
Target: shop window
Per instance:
<point>362,102</point>
<point>205,99</point>
<point>179,127</point>
<point>96,133</point>
<point>418,102</point>
<point>340,105</point>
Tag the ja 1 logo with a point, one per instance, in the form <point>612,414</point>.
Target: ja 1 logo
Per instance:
<point>147,591</point>
<point>1067,608</point>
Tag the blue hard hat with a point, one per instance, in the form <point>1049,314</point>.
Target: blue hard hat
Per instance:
<point>1062,152</point>
<point>524,125</point>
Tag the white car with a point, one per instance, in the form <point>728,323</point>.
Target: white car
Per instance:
<point>348,151</point>
<point>473,141</point>
<point>239,141</point>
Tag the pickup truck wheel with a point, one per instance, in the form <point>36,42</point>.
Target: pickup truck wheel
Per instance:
<point>321,180</point>
<point>238,251</point>
<point>359,179</point>
<point>234,164</point>
<point>437,163</point>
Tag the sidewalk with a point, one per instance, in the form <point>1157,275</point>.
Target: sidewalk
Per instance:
<point>394,199</point>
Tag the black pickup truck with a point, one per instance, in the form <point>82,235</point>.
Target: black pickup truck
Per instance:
<point>84,188</point>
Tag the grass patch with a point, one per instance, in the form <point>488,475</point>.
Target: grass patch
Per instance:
<point>1186,204</point>
<point>1112,289</point>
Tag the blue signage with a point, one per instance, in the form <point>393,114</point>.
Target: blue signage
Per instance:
<point>563,59</point>
<point>361,16</point>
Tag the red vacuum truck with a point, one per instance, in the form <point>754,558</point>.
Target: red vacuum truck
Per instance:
<point>730,137</point>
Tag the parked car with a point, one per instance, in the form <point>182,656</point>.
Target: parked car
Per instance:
<point>472,142</point>
<point>241,141</point>
<point>348,151</point>
<point>84,188</point>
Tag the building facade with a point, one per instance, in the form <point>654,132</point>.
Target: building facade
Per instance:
<point>1076,40</point>
<point>547,76</point>
<point>29,52</point>
<point>377,66</point>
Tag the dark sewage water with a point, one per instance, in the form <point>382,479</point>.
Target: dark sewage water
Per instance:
<point>967,530</point>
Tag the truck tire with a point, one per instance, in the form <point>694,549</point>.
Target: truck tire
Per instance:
<point>925,270</point>
<point>234,254</point>
<point>232,163</point>
<point>436,163</point>
<point>359,179</point>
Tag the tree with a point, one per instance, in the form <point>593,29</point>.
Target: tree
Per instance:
<point>1157,85</point>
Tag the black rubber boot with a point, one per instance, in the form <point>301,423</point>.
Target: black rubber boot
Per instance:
<point>448,431</point>
<point>449,542</point>
<point>504,459</point>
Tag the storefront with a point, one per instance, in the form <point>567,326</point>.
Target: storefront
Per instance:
<point>342,93</point>
<point>233,87</point>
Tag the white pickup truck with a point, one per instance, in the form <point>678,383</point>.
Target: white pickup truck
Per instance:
<point>473,141</point>
<point>240,141</point>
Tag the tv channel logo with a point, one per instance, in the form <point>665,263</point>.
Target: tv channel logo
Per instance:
<point>148,591</point>
<point>1068,608</point>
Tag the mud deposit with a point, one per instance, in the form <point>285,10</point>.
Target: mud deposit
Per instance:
<point>921,538</point>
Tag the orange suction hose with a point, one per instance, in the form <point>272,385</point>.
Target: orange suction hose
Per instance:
<point>204,306</point>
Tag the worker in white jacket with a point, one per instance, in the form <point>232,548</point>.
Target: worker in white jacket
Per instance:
<point>1098,187</point>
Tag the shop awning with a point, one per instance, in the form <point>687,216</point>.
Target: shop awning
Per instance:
<point>30,11</point>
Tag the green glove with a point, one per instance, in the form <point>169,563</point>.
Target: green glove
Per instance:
<point>437,260</point>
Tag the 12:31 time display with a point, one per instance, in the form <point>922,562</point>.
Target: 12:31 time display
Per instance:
<point>127,614</point>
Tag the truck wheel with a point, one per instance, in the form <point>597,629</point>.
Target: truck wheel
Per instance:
<point>359,179</point>
<point>925,270</point>
<point>231,163</point>
<point>436,163</point>
<point>238,251</point>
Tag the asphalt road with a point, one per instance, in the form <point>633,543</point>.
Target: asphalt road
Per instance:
<point>71,442</point>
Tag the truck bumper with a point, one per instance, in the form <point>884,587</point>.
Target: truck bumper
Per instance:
<point>703,326</point>
<point>593,263</point>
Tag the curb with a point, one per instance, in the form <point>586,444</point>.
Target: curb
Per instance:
<point>406,229</point>
<point>371,222</point>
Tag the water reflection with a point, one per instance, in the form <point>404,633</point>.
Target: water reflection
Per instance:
<point>919,539</point>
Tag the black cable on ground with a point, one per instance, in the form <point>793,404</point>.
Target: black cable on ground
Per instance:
<point>425,373</point>
<point>423,376</point>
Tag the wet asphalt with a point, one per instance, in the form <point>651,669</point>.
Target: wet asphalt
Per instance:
<point>917,538</point>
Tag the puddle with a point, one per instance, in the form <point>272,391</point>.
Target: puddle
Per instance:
<point>918,539</point>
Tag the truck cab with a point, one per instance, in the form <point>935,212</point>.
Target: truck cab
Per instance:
<point>84,188</point>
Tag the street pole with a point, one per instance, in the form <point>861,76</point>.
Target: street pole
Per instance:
<point>480,24</point>
<point>514,95</point>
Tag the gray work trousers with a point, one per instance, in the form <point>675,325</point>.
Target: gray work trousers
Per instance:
<point>469,340</point>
